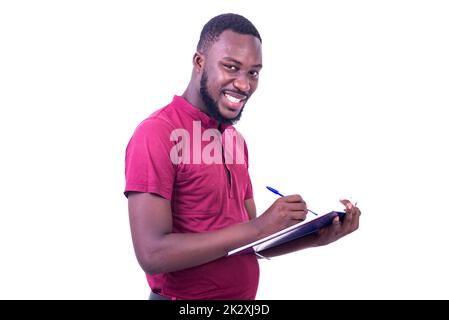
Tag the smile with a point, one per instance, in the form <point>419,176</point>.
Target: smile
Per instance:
<point>232,99</point>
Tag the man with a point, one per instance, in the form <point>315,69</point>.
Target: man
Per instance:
<point>186,211</point>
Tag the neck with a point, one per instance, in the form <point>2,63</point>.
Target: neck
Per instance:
<point>192,95</point>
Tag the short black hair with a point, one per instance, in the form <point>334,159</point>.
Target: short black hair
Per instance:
<point>228,21</point>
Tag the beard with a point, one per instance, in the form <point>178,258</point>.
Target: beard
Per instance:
<point>212,106</point>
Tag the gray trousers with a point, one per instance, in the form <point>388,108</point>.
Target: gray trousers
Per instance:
<point>155,296</point>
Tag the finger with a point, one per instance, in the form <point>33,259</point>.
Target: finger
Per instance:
<point>299,215</point>
<point>356,218</point>
<point>348,205</point>
<point>348,216</point>
<point>297,206</point>
<point>349,209</point>
<point>336,224</point>
<point>293,198</point>
<point>352,218</point>
<point>355,223</point>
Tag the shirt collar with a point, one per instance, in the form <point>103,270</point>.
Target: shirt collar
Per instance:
<point>197,114</point>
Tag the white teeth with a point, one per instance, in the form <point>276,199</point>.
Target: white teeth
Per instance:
<point>232,99</point>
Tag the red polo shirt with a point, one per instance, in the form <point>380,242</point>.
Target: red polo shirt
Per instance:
<point>169,154</point>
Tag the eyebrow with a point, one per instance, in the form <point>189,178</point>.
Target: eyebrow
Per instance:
<point>239,63</point>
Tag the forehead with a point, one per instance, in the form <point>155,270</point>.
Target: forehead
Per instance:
<point>242,47</point>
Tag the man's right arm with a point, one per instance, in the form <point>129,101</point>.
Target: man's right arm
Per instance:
<point>159,250</point>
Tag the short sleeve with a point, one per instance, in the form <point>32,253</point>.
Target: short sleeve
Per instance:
<point>249,187</point>
<point>148,167</point>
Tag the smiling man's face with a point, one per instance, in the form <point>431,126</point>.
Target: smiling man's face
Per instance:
<point>230,75</point>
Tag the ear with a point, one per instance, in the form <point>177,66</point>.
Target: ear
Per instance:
<point>198,62</point>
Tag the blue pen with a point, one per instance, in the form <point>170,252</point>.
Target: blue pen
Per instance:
<point>278,193</point>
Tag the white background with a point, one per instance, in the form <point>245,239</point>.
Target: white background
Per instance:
<point>351,103</point>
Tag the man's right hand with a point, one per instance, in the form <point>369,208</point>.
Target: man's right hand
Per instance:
<point>283,213</point>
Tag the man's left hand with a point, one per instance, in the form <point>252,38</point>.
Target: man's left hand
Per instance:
<point>340,229</point>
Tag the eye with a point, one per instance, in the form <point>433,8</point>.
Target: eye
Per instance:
<point>254,74</point>
<point>230,67</point>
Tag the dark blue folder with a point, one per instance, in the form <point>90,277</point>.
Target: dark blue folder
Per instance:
<point>291,233</point>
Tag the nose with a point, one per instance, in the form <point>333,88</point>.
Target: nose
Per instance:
<point>242,83</point>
